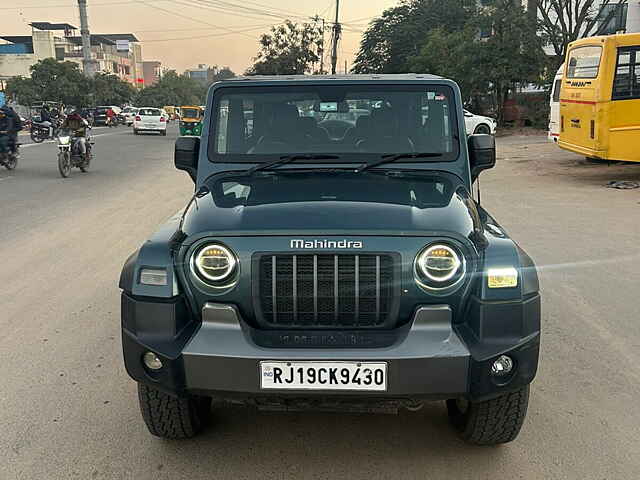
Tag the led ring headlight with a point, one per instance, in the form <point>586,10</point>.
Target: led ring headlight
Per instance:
<point>214,263</point>
<point>440,265</point>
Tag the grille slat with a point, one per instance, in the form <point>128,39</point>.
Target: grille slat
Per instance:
<point>326,290</point>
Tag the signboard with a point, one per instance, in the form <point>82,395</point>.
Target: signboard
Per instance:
<point>3,99</point>
<point>122,45</point>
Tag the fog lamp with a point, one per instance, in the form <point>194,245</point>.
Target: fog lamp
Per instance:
<point>151,361</point>
<point>502,366</point>
<point>502,277</point>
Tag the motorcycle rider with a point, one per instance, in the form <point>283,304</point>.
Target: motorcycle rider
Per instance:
<point>78,126</point>
<point>16,126</point>
<point>111,116</point>
<point>46,120</point>
<point>5,127</point>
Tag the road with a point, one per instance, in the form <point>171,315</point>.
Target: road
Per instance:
<point>68,409</point>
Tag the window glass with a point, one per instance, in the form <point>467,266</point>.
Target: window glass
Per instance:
<point>626,81</point>
<point>151,112</point>
<point>584,62</point>
<point>346,121</point>
<point>556,90</point>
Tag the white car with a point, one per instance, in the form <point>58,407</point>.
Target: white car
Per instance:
<point>149,119</point>
<point>479,124</point>
<point>129,113</point>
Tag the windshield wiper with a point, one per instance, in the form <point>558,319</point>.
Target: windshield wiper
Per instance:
<point>290,158</point>
<point>397,156</point>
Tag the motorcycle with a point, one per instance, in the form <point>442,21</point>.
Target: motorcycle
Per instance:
<point>69,154</point>
<point>10,160</point>
<point>40,132</point>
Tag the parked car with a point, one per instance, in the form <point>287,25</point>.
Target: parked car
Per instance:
<point>479,124</point>
<point>128,115</point>
<point>100,114</point>
<point>149,119</point>
<point>351,274</point>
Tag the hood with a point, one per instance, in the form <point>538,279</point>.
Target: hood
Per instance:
<point>330,217</point>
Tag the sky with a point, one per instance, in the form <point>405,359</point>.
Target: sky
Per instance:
<point>185,33</point>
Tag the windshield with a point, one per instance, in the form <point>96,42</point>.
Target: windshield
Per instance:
<point>190,113</point>
<point>402,188</point>
<point>149,112</point>
<point>584,62</point>
<point>353,121</point>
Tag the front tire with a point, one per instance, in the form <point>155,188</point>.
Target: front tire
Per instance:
<point>163,133</point>
<point>11,162</point>
<point>35,136</point>
<point>64,164</point>
<point>490,422</point>
<point>172,417</point>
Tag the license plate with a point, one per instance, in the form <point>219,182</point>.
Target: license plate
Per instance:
<point>150,125</point>
<point>365,376</point>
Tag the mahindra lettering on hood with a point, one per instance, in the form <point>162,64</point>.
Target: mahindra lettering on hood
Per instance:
<point>333,256</point>
<point>324,244</point>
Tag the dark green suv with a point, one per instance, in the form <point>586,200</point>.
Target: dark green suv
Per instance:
<point>333,257</point>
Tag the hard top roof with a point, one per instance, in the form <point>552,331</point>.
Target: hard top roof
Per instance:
<point>401,77</point>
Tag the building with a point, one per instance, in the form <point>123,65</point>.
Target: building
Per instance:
<point>619,17</point>
<point>117,54</point>
<point>152,72</point>
<point>200,74</point>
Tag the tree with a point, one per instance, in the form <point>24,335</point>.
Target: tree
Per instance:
<point>513,54</point>
<point>109,89</point>
<point>288,49</point>
<point>392,40</point>
<point>564,21</point>
<point>22,90</point>
<point>466,70</point>
<point>219,74</point>
<point>172,89</point>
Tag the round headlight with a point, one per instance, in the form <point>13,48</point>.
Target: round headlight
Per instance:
<point>440,266</point>
<point>214,263</point>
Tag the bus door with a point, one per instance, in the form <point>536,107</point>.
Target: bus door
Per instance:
<point>624,111</point>
<point>578,106</point>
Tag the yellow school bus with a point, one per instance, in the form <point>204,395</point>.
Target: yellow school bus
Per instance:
<point>600,98</point>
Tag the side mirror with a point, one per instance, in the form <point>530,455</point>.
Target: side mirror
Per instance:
<point>186,155</point>
<point>482,153</point>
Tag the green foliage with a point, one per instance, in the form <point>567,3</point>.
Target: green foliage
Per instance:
<point>288,49</point>
<point>22,90</point>
<point>454,55</point>
<point>487,50</point>
<point>64,82</point>
<point>108,89</point>
<point>172,89</point>
<point>222,74</point>
<point>391,40</point>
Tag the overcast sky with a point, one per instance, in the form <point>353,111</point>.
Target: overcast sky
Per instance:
<point>167,27</point>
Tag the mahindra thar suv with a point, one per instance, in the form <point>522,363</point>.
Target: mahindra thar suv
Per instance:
<point>333,256</point>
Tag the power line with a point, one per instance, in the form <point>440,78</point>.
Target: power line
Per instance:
<point>169,12</point>
<point>66,5</point>
<point>210,35</point>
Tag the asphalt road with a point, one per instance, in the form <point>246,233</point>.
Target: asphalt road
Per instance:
<point>68,409</point>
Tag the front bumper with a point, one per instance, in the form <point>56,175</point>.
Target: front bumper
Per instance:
<point>428,358</point>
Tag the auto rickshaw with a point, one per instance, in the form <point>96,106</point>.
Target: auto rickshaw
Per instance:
<point>191,120</point>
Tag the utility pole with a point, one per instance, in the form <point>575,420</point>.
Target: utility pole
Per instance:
<point>322,50</point>
<point>337,29</point>
<point>87,61</point>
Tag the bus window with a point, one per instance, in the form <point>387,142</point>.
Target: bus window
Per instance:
<point>584,62</point>
<point>556,90</point>
<point>626,83</point>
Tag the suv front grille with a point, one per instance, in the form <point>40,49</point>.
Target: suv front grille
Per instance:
<point>327,290</point>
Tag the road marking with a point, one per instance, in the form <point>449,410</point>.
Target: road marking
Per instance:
<point>52,141</point>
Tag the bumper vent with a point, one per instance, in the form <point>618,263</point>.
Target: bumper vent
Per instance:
<point>327,291</point>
